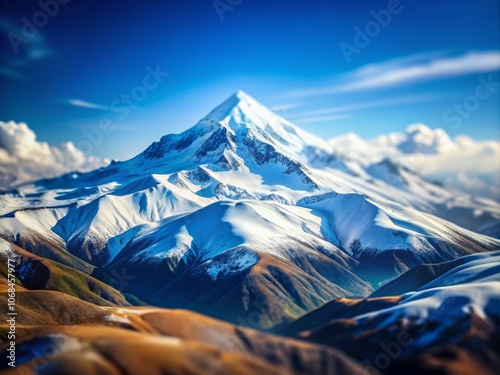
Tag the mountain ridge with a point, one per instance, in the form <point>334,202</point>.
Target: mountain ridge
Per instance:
<point>254,214</point>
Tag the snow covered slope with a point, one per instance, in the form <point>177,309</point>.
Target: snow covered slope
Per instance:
<point>237,253</point>
<point>467,269</point>
<point>251,213</point>
<point>388,238</point>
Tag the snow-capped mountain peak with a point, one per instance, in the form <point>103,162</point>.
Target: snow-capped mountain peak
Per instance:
<point>238,104</point>
<point>241,113</point>
<point>241,109</point>
<point>239,134</point>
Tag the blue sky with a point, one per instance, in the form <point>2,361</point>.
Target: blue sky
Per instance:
<point>418,61</point>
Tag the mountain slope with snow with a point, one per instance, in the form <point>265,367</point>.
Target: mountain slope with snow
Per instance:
<point>243,255</point>
<point>245,213</point>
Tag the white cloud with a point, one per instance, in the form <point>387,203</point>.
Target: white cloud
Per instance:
<point>23,158</point>
<point>85,104</point>
<point>408,70</point>
<point>475,157</point>
<point>472,166</point>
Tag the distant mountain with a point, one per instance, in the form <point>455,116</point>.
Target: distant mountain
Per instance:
<point>461,163</point>
<point>248,218</point>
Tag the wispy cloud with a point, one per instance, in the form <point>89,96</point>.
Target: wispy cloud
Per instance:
<point>114,126</point>
<point>371,104</point>
<point>408,70</point>
<point>400,61</point>
<point>313,119</point>
<point>85,104</point>
<point>385,75</point>
<point>285,106</point>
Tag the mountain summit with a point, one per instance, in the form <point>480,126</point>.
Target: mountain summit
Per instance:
<point>241,113</point>
<point>240,134</point>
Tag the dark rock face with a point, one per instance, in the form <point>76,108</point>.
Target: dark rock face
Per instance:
<point>220,139</point>
<point>171,142</point>
<point>264,153</point>
<point>199,175</point>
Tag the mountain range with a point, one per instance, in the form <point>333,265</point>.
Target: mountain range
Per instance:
<point>249,219</point>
